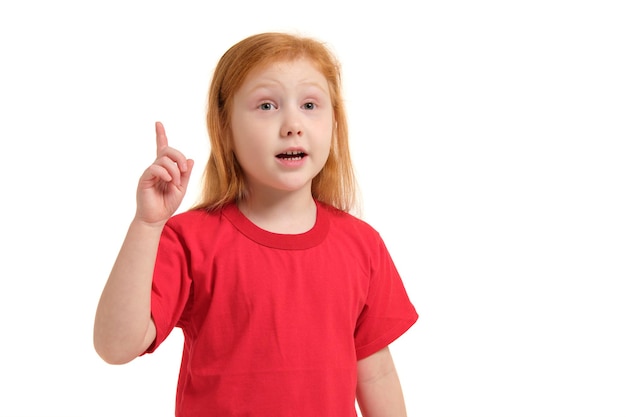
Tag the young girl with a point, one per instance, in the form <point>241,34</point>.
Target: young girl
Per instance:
<point>287,301</point>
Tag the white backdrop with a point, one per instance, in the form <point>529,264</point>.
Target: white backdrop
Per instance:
<point>489,140</point>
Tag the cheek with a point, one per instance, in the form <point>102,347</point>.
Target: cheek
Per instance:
<point>248,149</point>
<point>243,136</point>
<point>245,153</point>
<point>330,135</point>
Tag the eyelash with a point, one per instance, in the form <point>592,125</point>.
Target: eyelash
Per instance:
<point>307,106</point>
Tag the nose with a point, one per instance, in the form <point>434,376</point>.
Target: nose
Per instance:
<point>291,125</point>
<point>291,132</point>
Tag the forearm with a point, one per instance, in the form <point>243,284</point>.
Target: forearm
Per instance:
<point>122,327</point>
<point>379,392</point>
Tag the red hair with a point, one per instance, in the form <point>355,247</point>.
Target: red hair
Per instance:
<point>223,178</point>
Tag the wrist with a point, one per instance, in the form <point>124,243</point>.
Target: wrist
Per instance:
<point>147,225</point>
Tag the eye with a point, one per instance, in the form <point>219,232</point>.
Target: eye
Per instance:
<point>266,106</point>
<point>309,106</point>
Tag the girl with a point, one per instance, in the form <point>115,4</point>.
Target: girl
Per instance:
<point>287,302</point>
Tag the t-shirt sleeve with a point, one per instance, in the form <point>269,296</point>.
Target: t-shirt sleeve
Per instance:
<point>388,312</point>
<point>171,284</point>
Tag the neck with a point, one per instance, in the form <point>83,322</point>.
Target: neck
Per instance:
<point>290,213</point>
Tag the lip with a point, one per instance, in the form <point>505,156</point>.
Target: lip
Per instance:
<point>292,149</point>
<point>292,157</point>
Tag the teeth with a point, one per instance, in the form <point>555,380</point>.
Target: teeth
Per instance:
<point>292,155</point>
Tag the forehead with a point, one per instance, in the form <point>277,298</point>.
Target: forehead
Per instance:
<point>287,72</point>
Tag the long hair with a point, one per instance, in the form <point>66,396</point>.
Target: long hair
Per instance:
<point>223,178</point>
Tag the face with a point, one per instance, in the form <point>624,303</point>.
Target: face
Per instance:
<point>282,125</point>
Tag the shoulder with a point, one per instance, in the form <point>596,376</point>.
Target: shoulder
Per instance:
<point>194,220</point>
<point>194,216</point>
<point>195,231</point>
<point>349,223</point>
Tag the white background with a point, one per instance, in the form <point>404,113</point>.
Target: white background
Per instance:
<point>489,140</point>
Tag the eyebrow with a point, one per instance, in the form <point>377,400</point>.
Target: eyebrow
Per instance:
<point>271,84</point>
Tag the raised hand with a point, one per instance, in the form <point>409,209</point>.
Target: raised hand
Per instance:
<point>163,184</point>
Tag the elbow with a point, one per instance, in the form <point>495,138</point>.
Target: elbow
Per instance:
<point>120,347</point>
<point>113,359</point>
<point>112,355</point>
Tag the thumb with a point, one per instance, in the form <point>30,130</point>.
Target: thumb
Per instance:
<point>184,178</point>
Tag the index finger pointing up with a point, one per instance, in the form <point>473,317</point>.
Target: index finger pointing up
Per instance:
<point>161,138</point>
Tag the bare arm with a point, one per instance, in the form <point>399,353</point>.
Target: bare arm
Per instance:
<point>123,327</point>
<point>379,393</point>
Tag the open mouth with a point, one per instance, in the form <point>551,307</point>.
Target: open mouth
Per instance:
<point>291,155</point>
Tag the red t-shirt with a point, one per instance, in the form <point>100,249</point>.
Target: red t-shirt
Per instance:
<point>274,324</point>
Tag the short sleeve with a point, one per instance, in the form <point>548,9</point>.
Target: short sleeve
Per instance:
<point>388,312</point>
<point>171,284</point>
